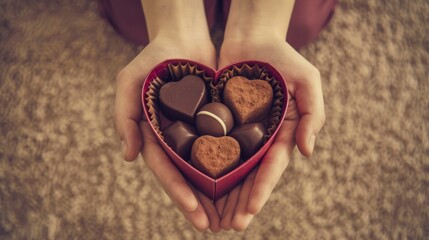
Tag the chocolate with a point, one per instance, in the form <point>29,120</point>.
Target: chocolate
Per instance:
<point>164,121</point>
<point>181,100</point>
<point>180,136</point>
<point>250,137</point>
<point>249,100</point>
<point>215,156</point>
<point>214,119</point>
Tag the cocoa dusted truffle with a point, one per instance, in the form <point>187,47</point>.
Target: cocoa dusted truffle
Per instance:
<point>214,119</point>
<point>215,156</point>
<point>249,100</point>
<point>182,99</point>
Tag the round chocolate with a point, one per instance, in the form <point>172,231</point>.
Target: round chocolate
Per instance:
<point>250,137</point>
<point>214,119</point>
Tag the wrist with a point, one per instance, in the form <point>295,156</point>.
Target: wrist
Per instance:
<point>253,35</point>
<point>258,19</point>
<point>244,40</point>
<point>184,42</point>
<point>186,48</point>
<point>176,19</point>
<point>183,37</point>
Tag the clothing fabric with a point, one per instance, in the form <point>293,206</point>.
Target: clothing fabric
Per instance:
<point>308,18</point>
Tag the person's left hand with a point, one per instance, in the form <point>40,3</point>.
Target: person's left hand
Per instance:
<point>238,207</point>
<point>304,119</point>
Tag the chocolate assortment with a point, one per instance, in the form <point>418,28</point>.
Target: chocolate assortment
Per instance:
<point>201,164</point>
<point>215,136</point>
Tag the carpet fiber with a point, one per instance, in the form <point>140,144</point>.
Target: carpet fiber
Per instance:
<point>61,172</point>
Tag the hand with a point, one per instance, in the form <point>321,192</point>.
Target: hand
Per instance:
<point>305,117</point>
<point>135,132</point>
<point>194,205</point>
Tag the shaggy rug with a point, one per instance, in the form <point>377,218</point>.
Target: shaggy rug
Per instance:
<point>61,171</point>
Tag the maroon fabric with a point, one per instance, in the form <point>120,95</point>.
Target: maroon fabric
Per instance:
<point>309,17</point>
<point>126,16</point>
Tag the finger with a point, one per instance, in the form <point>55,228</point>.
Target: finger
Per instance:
<point>198,217</point>
<point>309,99</point>
<point>242,217</point>
<point>292,114</point>
<point>228,211</point>
<point>220,204</point>
<point>127,114</point>
<point>170,178</point>
<point>211,212</point>
<point>271,168</point>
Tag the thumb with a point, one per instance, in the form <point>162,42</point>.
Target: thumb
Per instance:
<point>309,99</point>
<point>127,115</point>
<point>130,136</point>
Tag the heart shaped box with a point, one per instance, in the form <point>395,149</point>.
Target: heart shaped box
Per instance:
<point>212,188</point>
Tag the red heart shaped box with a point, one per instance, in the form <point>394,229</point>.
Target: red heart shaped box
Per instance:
<point>213,188</point>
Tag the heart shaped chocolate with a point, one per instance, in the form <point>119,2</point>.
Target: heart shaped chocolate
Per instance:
<point>215,156</point>
<point>181,100</point>
<point>249,100</point>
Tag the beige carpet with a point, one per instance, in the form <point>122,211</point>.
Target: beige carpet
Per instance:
<point>61,173</point>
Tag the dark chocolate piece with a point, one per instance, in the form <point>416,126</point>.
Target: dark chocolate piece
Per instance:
<point>214,119</point>
<point>181,100</point>
<point>249,100</point>
<point>250,137</point>
<point>215,156</point>
<point>180,136</point>
<point>164,121</point>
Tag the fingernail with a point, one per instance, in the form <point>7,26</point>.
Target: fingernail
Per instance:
<point>123,148</point>
<point>311,142</point>
<point>191,206</point>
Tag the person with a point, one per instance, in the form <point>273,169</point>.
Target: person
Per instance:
<point>254,30</point>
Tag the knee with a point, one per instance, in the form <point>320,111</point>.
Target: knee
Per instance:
<point>307,20</point>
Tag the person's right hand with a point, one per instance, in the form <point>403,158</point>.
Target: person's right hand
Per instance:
<point>137,136</point>
<point>128,108</point>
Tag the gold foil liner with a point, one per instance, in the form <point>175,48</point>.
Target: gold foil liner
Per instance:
<point>176,72</point>
<point>254,72</point>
